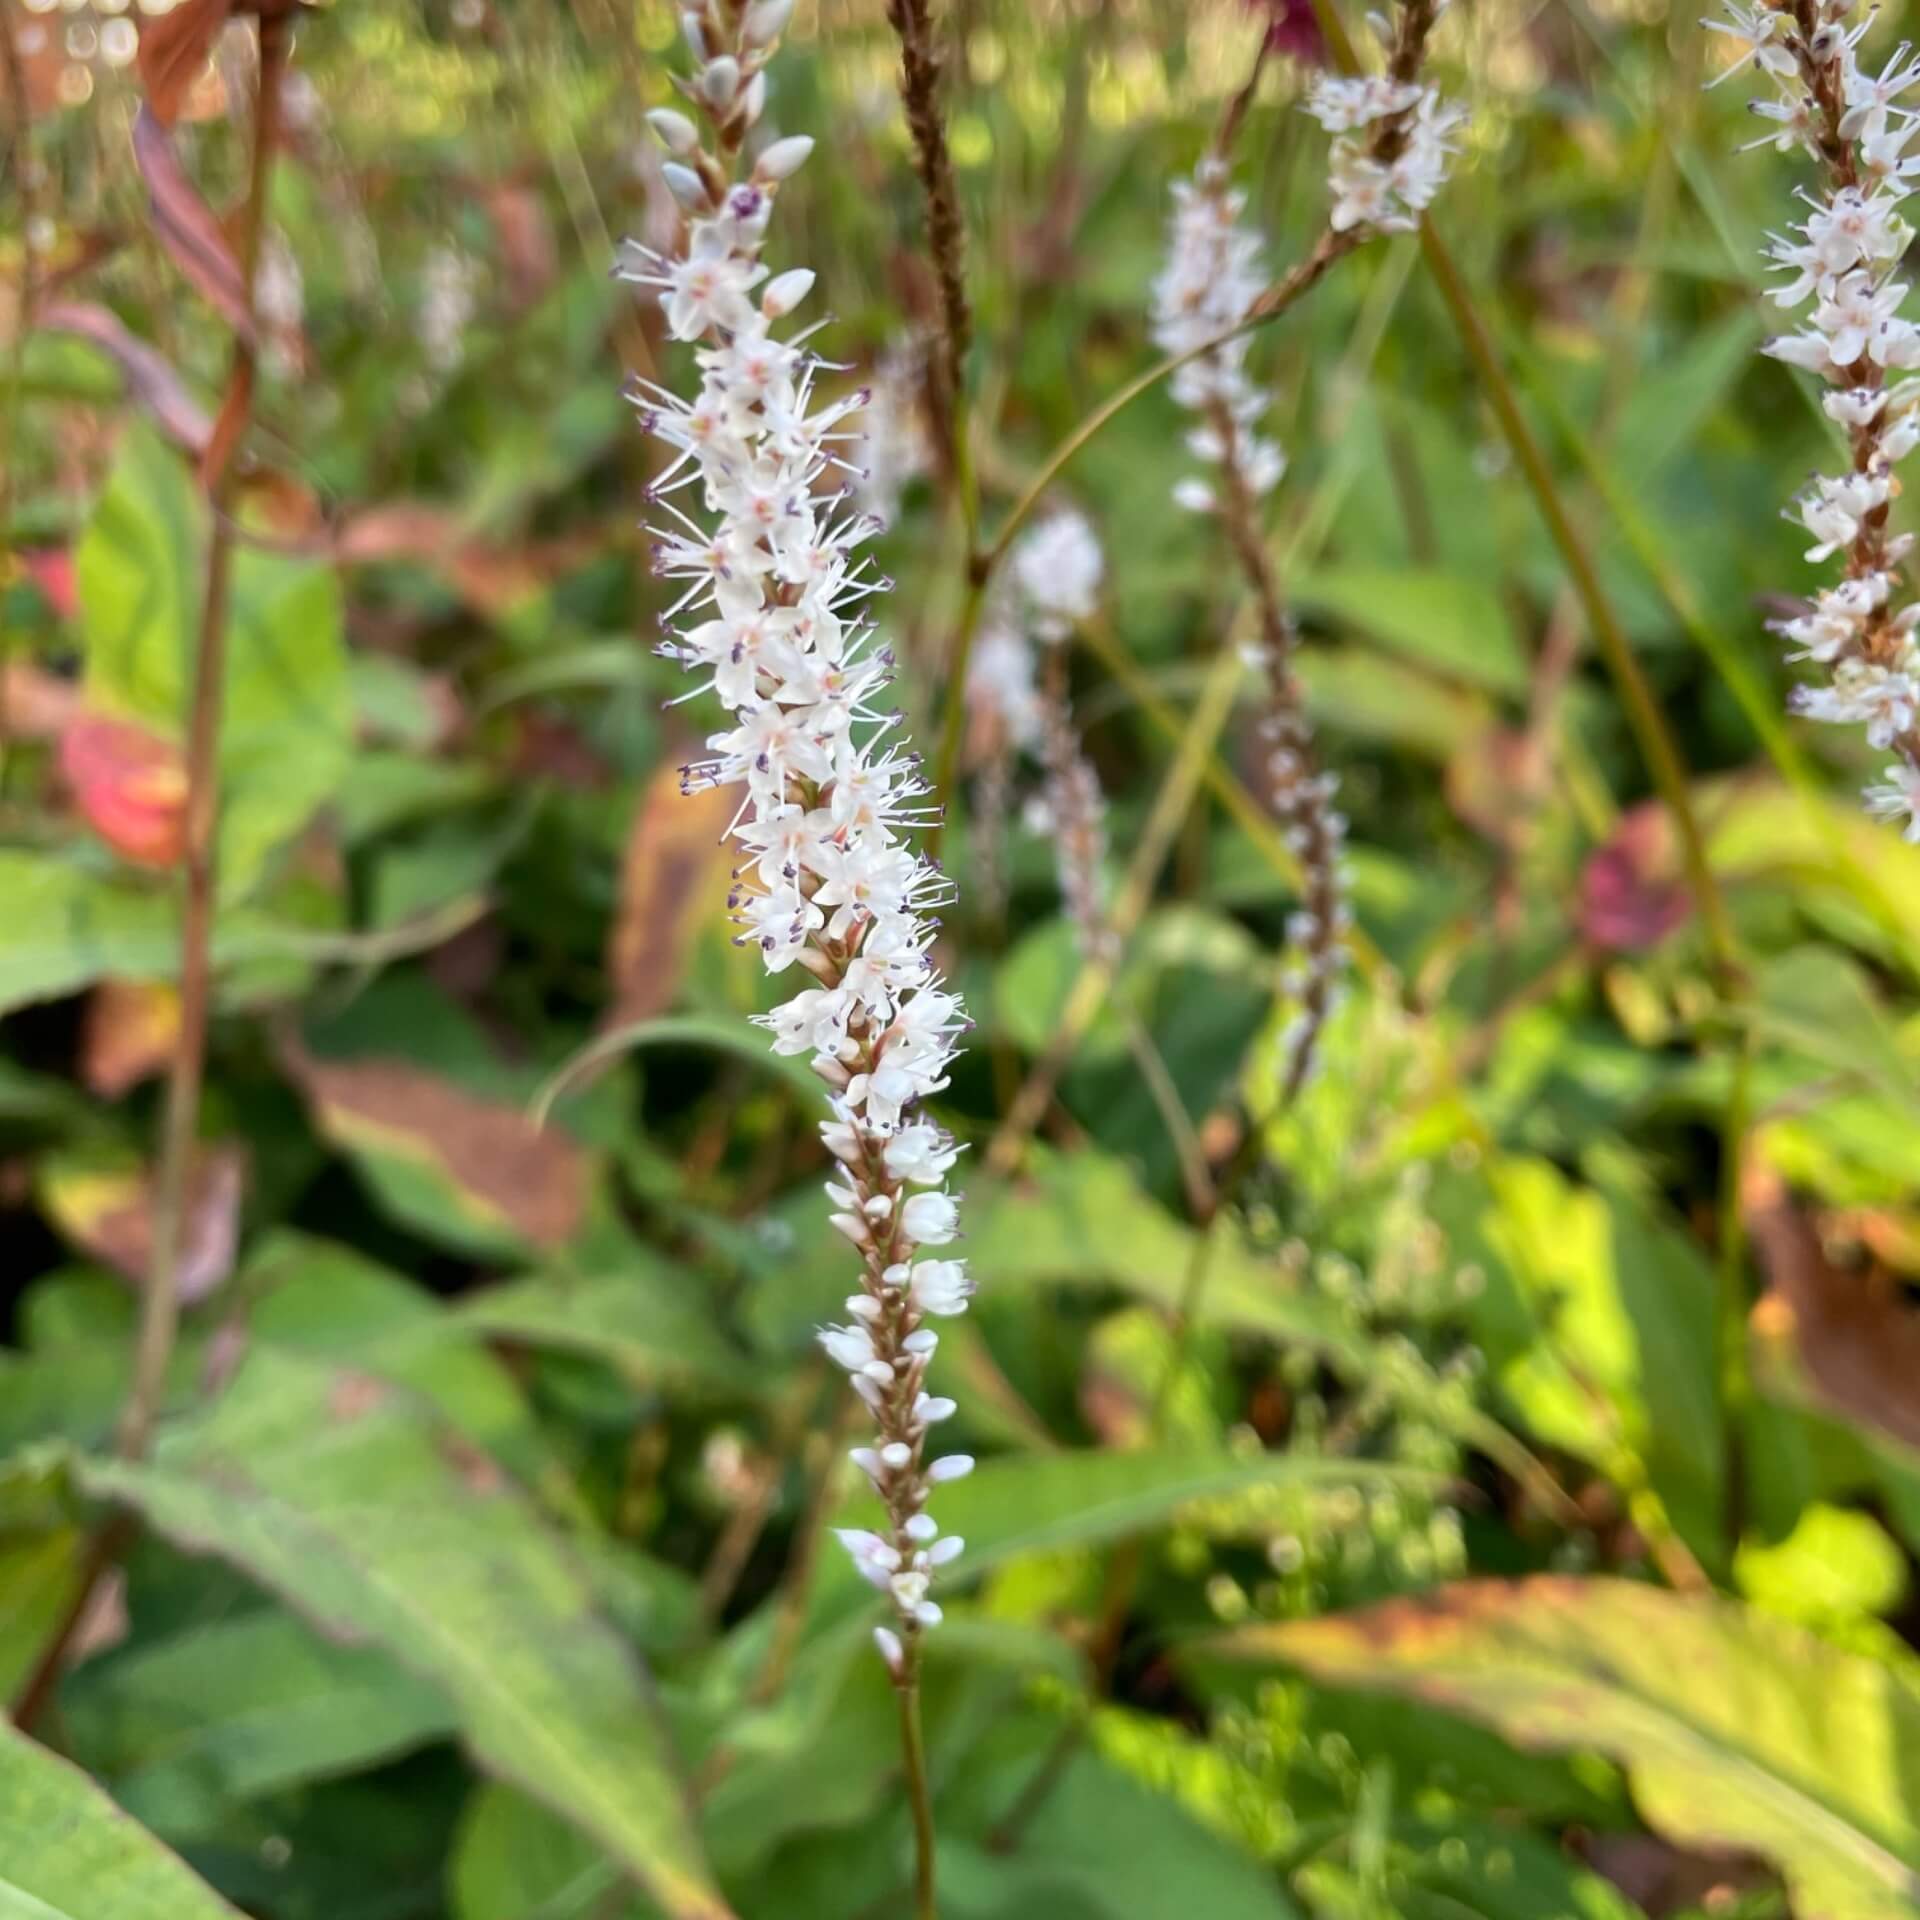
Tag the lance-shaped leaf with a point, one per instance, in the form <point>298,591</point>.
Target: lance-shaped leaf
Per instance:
<point>1737,1730</point>
<point>71,1854</point>
<point>447,1161</point>
<point>672,878</point>
<point>362,1512</point>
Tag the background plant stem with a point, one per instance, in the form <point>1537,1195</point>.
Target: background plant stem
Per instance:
<point>160,1304</point>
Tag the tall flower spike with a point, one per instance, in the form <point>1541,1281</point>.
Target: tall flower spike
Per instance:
<point>1393,141</point>
<point>772,615</point>
<point>1843,258</point>
<point>1056,568</point>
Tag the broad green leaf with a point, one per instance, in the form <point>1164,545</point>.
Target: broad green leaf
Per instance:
<point>286,731</point>
<point>645,1322</point>
<point>1081,1220</point>
<point>1597,1318</point>
<point>335,1490</point>
<point>185,1727</point>
<point>513,1860</point>
<point>70,1854</point>
<point>1835,1566</point>
<point>1737,1731</point>
<point>68,925</point>
<point>1444,621</point>
<point>1046,1503</point>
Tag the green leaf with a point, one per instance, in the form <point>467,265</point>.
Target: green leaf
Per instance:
<point>513,1860</point>
<point>1444,621</point>
<point>1736,1730</point>
<point>342,1496</point>
<point>286,730</point>
<point>1597,1317</point>
<point>1046,1503</point>
<point>1081,1220</point>
<point>71,1854</point>
<point>645,1322</point>
<point>186,1726</point>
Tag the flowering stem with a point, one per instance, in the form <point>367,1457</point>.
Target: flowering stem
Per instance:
<point>160,1306</point>
<point>1270,306</point>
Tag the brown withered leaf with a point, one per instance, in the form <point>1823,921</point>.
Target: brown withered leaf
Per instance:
<point>108,1213</point>
<point>1853,1333</point>
<point>186,227</point>
<point>151,382</point>
<point>671,879</point>
<point>490,575</point>
<point>174,50</point>
<point>445,1157</point>
<point>128,1034</point>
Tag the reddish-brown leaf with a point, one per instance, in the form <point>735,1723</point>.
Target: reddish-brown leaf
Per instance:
<point>110,1214</point>
<point>39,705</point>
<point>489,575</point>
<point>1854,1333</point>
<point>128,1034</point>
<point>175,48</point>
<point>152,383</point>
<point>51,570</point>
<point>186,227</point>
<point>672,880</point>
<point>488,1161</point>
<point>130,786</point>
<point>1631,893</point>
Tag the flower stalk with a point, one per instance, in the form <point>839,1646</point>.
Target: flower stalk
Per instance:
<point>1392,144</point>
<point>772,617</point>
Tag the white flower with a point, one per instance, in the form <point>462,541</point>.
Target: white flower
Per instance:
<point>1898,799</point>
<point>772,619</point>
<point>1057,566</point>
<point>930,1219</point>
<point>941,1286</point>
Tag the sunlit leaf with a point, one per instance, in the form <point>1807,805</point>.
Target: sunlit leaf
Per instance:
<point>71,1854</point>
<point>1736,1730</point>
<point>334,1490</point>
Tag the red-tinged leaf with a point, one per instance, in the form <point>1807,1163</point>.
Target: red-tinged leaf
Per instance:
<point>130,786</point>
<point>51,570</point>
<point>672,879</point>
<point>1738,1732</point>
<point>128,1035</point>
<point>108,1212</point>
<point>175,48</point>
<point>1855,1334</point>
<point>446,1160</point>
<point>152,383</point>
<point>39,705</point>
<point>185,225</point>
<point>490,575</point>
<point>528,257</point>
<point>1631,894</point>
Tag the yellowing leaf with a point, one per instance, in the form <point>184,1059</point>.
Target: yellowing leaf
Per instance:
<point>1736,1730</point>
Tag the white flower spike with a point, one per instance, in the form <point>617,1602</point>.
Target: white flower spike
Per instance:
<point>772,616</point>
<point>1843,258</point>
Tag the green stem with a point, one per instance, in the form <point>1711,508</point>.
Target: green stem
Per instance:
<point>913,1748</point>
<point>1270,306</point>
<point>160,1303</point>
